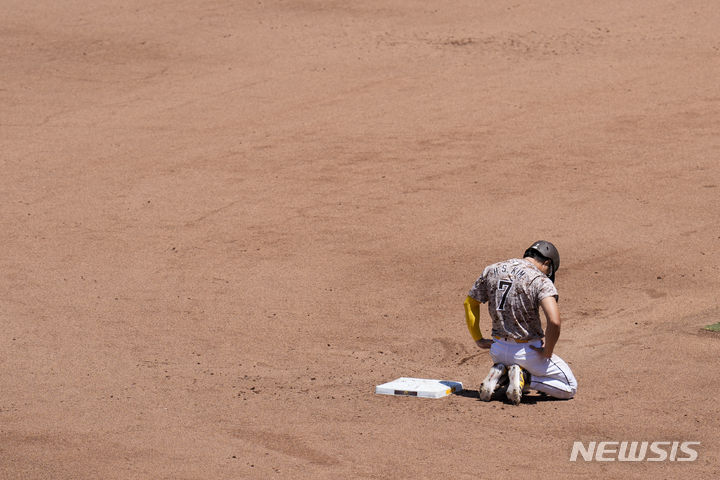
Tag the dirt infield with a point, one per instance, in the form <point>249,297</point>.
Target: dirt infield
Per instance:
<point>223,223</point>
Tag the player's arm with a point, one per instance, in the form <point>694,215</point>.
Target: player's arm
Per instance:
<point>552,332</point>
<point>472,317</point>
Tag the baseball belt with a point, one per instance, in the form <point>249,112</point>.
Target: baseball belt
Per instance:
<point>510,339</point>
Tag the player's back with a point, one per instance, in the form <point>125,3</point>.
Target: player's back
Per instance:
<point>514,289</point>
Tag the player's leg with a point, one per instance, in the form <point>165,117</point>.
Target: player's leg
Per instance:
<point>507,353</point>
<point>554,379</point>
<point>497,374</point>
<point>551,376</point>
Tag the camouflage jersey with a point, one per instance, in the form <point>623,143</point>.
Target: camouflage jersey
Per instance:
<point>514,289</point>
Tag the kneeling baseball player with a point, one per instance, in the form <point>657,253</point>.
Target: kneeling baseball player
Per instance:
<point>515,290</point>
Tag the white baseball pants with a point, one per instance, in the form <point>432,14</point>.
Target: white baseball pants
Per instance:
<point>551,376</point>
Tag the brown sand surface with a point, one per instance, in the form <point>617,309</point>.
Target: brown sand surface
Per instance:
<point>224,222</point>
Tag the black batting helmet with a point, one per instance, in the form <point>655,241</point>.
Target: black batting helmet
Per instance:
<point>547,250</point>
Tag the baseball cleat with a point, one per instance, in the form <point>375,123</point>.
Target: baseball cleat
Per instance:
<point>516,384</point>
<point>487,388</point>
<point>502,386</point>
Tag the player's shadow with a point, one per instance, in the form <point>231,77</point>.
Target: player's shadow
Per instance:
<point>528,398</point>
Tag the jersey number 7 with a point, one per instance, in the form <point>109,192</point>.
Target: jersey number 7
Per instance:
<point>504,287</point>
